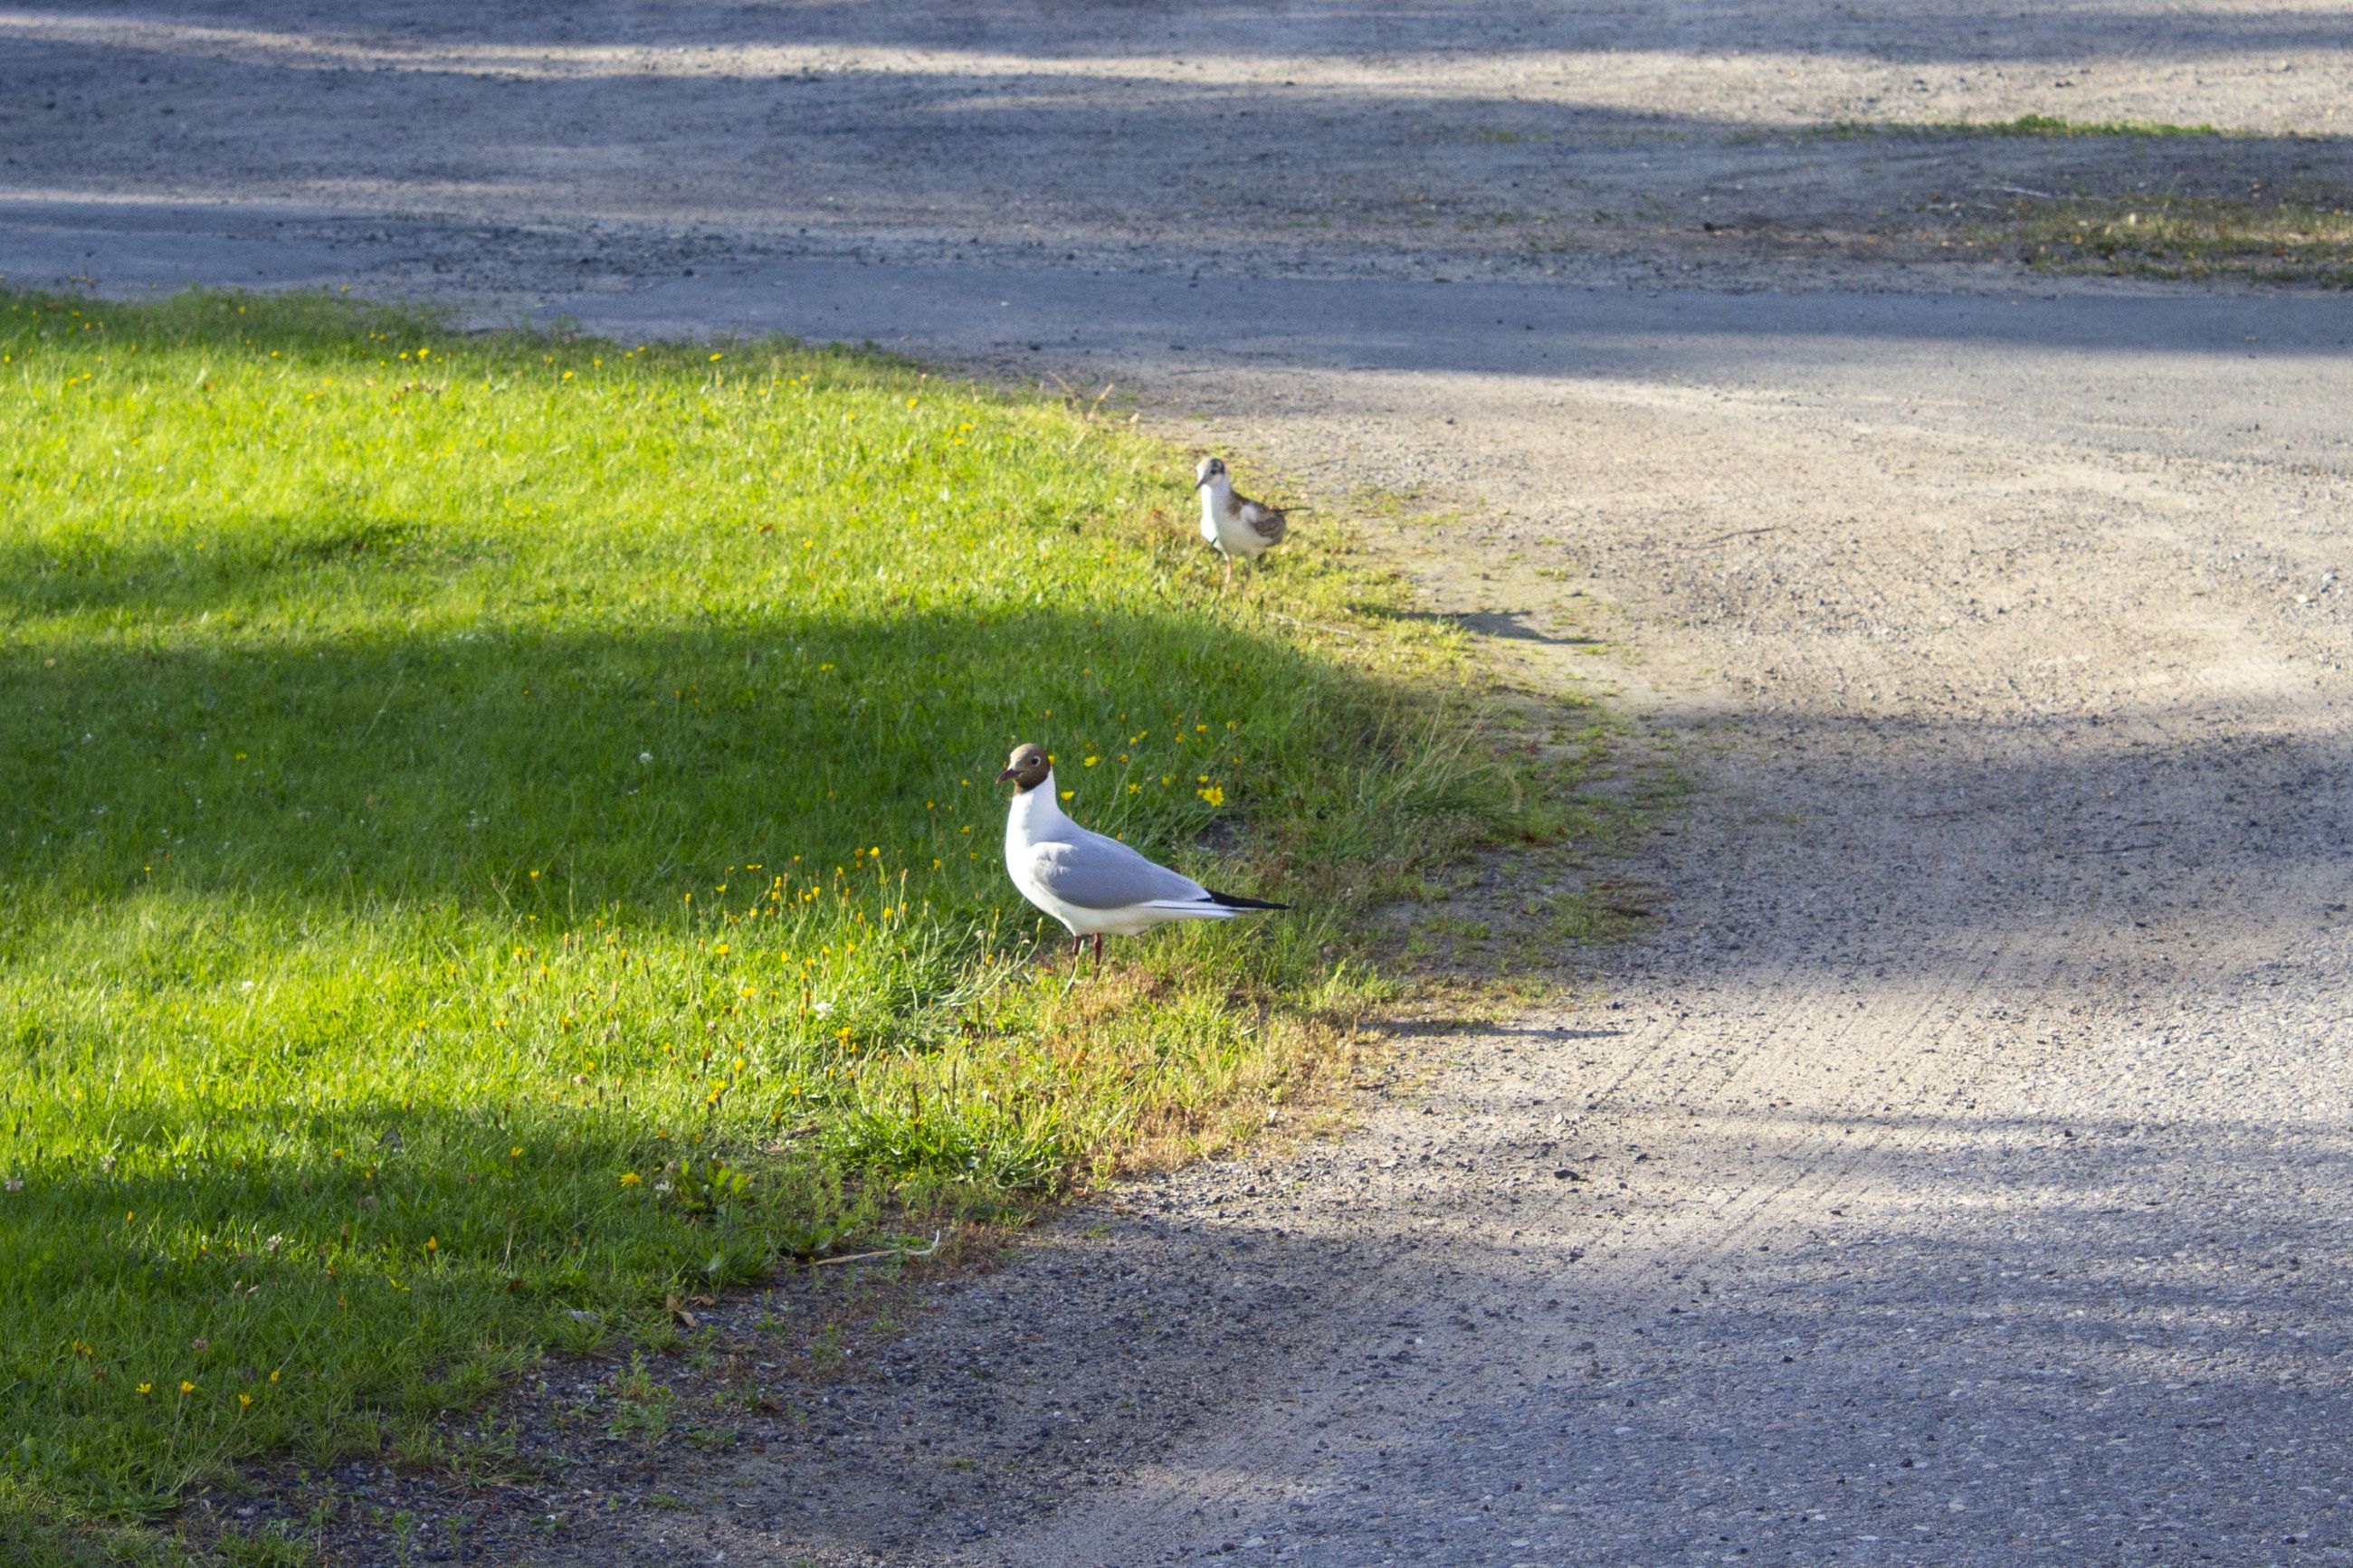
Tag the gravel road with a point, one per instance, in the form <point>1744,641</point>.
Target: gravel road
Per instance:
<point>1962,1174</point>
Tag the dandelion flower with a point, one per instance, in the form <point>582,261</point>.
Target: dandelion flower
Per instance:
<point>629,1178</point>
<point>146,1389</point>
<point>186,1387</point>
<point>245,1402</point>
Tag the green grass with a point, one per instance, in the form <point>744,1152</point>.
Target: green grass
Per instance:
<point>2280,241</point>
<point>496,830</point>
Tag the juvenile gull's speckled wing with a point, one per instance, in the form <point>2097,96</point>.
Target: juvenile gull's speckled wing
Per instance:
<point>1264,521</point>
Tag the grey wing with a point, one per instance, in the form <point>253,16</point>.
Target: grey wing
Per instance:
<point>1099,873</point>
<point>1265,521</point>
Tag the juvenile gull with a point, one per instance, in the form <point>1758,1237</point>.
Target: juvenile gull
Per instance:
<point>1232,524</point>
<point>1090,883</point>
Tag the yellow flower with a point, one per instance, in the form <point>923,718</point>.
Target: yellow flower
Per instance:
<point>515,1153</point>
<point>186,1387</point>
<point>146,1389</point>
<point>273,1377</point>
<point>629,1178</point>
<point>1091,761</point>
<point>716,358</point>
<point>245,1402</point>
<point>1213,794</point>
<point>432,1243</point>
<point>721,950</point>
<point>1066,795</point>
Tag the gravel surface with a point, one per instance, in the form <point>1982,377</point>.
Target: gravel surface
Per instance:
<point>579,148</point>
<point>1960,1175</point>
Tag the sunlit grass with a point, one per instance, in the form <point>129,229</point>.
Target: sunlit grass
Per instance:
<point>2308,241</point>
<point>495,830</point>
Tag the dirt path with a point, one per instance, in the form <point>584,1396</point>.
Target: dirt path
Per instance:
<point>1958,1178</point>
<point>1961,1174</point>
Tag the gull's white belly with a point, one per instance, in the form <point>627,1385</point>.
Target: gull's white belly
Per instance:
<point>1229,532</point>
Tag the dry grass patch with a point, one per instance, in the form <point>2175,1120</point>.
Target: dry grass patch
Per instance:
<point>2307,240</point>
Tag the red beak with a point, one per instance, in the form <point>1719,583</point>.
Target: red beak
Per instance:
<point>1005,777</point>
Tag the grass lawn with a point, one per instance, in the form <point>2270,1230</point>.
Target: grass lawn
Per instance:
<point>496,831</point>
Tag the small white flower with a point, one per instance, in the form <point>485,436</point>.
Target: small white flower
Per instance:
<point>645,756</point>
<point>244,985</point>
<point>822,1008</point>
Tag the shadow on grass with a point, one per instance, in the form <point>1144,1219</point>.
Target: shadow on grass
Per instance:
<point>207,1307</point>
<point>1510,626</point>
<point>563,771</point>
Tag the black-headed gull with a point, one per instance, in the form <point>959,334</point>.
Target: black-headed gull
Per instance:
<point>1090,883</point>
<point>1232,524</point>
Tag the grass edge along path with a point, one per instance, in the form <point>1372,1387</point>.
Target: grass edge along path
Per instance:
<point>498,833</point>
<point>2292,236</point>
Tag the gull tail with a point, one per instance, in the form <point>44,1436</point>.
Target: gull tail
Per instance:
<point>1232,902</point>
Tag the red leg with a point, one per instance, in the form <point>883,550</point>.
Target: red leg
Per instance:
<point>1097,949</point>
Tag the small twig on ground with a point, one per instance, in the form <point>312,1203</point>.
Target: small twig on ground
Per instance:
<point>2027,191</point>
<point>885,1252</point>
<point>1744,532</point>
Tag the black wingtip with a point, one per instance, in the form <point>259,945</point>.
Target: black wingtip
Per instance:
<point>1233,901</point>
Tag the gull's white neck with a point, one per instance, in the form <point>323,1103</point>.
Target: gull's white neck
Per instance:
<point>1216,496</point>
<point>1035,814</point>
